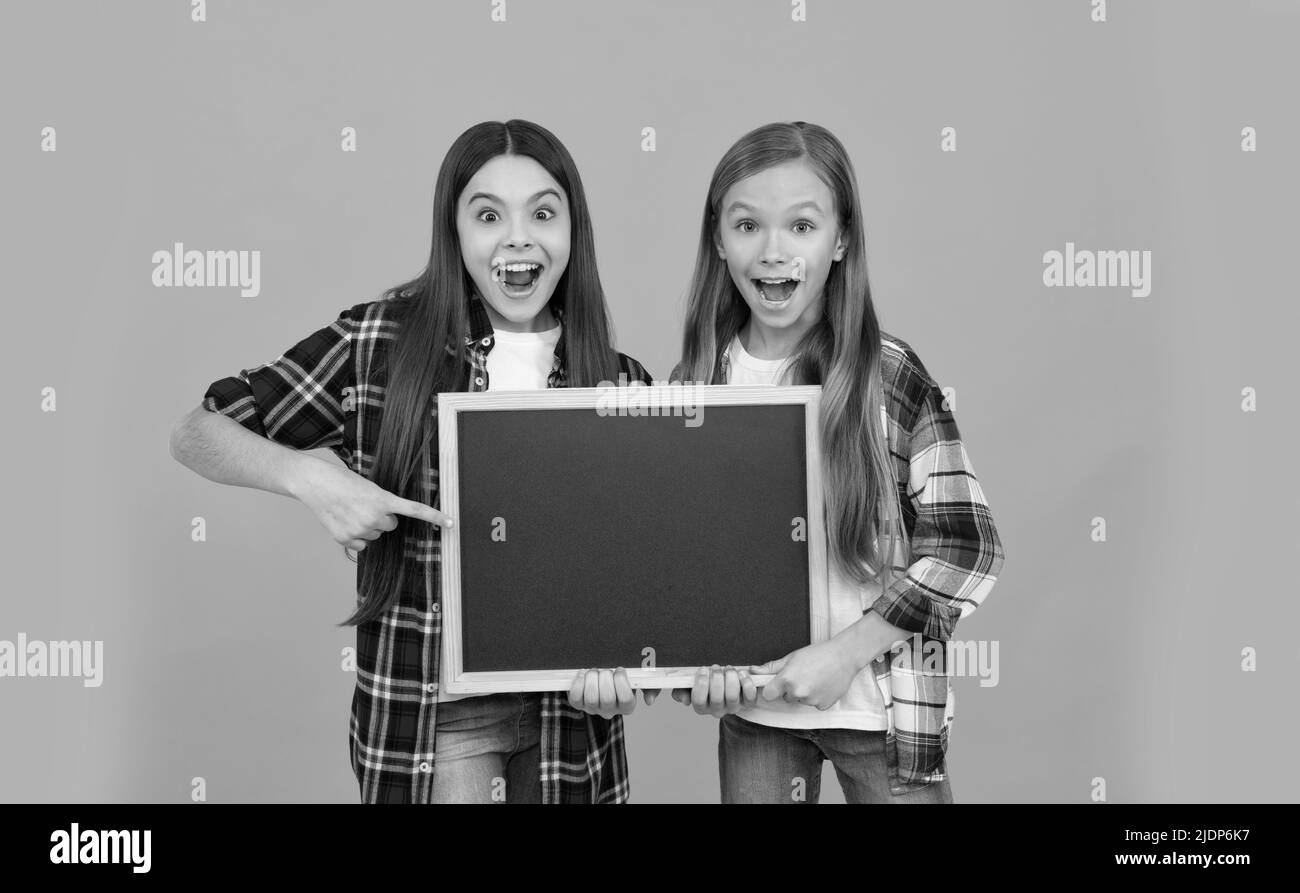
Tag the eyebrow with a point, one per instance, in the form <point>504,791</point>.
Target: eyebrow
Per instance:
<point>492,198</point>
<point>741,206</point>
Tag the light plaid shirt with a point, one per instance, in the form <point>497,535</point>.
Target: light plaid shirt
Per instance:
<point>956,557</point>
<point>328,391</point>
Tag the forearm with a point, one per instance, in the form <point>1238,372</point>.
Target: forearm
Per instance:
<point>222,450</point>
<point>867,638</point>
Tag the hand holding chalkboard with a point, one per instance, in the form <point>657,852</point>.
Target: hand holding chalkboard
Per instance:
<point>718,691</point>
<point>607,693</point>
<point>353,509</point>
<point>817,675</point>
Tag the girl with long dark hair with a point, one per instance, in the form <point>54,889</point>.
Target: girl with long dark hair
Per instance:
<point>510,299</point>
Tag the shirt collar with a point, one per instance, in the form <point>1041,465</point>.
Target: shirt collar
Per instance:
<point>479,336</point>
<point>480,324</point>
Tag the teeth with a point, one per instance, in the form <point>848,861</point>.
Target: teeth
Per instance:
<point>500,268</point>
<point>774,282</point>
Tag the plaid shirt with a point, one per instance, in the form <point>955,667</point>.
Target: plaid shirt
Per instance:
<point>956,557</point>
<point>328,391</point>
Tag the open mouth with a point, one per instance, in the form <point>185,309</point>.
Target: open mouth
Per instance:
<point>775,291</point>
<point>517,279</point>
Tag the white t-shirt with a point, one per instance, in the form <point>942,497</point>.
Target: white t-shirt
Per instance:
<point>521,361</point>
<point>863,705</point>
<point>518,361</point>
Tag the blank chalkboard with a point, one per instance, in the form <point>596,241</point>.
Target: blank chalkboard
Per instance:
<point>584,539</point>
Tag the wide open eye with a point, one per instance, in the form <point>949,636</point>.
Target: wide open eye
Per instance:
<point>487,215</point>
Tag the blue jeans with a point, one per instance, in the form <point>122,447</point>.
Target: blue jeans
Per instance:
<point>764,764</point>
<point>488,750</point>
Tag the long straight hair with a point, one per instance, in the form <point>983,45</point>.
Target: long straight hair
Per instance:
<point>841,352</point>
<point>429,356</point>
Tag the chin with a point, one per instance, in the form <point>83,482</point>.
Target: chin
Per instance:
<point>518,313</point>
<point>777,319</point>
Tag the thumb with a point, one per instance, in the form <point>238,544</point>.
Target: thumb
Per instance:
<point>776,686</point>
<point>774,689</point>
<point>772,666</point>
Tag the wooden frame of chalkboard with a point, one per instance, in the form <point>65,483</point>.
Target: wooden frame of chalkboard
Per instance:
<point>767,431</point>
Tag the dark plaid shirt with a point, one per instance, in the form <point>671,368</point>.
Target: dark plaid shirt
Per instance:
<point>328,391</point>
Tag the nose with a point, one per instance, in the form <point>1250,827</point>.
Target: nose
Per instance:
<point>772,253</point>
<point>518,238</point>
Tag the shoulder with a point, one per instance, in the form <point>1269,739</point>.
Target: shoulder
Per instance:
<point>370,327</point>
<point>633,369</point>
<point>374,319</point>
<point>908,385</point>
<point>900,361</point>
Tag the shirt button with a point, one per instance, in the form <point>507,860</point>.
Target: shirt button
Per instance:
<point>479,381</point>
<point>431,687</point>
<point>424,767</point>
<point>486,341</point>
<point>437,608</point>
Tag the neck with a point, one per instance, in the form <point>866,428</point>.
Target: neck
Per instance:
<point>766,343</point>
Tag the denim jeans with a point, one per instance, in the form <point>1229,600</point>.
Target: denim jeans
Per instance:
<point>488,750</point>
<point>764,764</point>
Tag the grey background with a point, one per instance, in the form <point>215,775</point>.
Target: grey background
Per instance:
<point>1118,659</point>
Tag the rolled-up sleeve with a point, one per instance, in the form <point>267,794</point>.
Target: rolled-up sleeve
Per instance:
<point>298,400</point>
<point>956,553</point>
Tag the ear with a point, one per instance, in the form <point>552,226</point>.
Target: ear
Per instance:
<point>717,244</point>
<point>840,247</point>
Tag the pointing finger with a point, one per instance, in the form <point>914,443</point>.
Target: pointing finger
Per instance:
<point>412,509</point>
